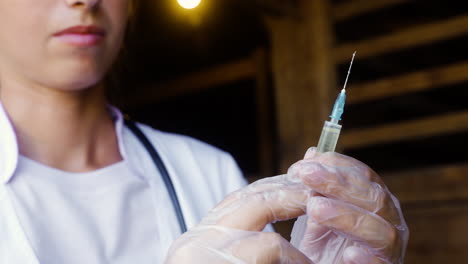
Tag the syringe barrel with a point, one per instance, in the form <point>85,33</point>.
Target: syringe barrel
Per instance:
<point>329,138</point>
<point>327,143</point>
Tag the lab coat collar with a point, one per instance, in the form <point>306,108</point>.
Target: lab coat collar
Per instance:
<point>9,146</point>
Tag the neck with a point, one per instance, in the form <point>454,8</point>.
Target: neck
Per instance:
<point>68,130</point>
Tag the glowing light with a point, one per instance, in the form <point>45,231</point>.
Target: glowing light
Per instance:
<point>189,4</point>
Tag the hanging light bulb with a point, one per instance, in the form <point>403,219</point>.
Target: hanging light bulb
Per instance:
<point>189,4</point>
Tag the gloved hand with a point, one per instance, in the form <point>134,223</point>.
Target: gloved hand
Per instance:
<point>343,198</point>
<point>355,219</point>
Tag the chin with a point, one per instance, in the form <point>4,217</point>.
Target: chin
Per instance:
<point>75,83</point>
<point>77,78</point>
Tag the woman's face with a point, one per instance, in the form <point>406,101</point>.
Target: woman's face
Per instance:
<point>61,44</point>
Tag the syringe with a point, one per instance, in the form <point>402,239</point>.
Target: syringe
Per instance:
<point>327,143</point>
<point>331,130</point>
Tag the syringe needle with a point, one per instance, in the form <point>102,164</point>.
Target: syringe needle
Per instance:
<point>349,71</point>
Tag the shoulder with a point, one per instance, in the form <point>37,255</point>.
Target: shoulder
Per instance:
<point>182,144</point>
<point>192,159</point>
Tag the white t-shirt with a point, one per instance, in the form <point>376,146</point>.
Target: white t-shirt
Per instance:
<point>119,214</point>
<point>105,216</point>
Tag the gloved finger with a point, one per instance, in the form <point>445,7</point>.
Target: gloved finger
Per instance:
<point>369,230</point>
<point>253,208</point>
<point>200,243</point>
<point>356,255</point>
<point>266,248</point>
<point>318,242</point>
<point>321,244</point>
<point>335,159</point>
<point>217,244</point>
<point>263,185</point>
<point>355,185</point>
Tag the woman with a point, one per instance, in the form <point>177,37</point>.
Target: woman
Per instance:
<point>78,187</point>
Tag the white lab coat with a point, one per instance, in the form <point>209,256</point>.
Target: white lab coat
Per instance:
<point>202,177</point>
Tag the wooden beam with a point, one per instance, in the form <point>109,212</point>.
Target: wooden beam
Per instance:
<point>348,9</point>
<point>242,69</point>
<point>442,183</point>
<point>412,82</point>
<point>448,123</point>
<point>304,76</point>
<point>407,38</point>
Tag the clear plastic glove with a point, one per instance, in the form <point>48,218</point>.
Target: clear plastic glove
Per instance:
<point>343,198</point>
<point>355,219</point>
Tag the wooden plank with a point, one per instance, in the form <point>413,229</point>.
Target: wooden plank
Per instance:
<point>286,40</point>
<point>406,38</point>
<point>442,124</point>
<point>304,76</point>
<point>438,235</point>
<point>412,82</point>
<point>242,69</point>
<point>439,183</point>
<point>348,9</point>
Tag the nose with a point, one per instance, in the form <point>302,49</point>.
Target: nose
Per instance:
<point>87,4</point>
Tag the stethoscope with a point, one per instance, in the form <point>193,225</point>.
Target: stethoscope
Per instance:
<point>162,169</point>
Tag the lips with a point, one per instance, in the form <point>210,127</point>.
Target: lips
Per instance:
<point>81,35</point>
